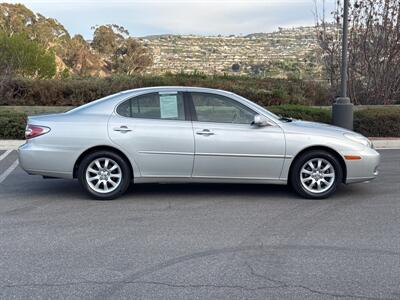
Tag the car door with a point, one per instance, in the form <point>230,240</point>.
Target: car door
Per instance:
<point>228,146</point>
<point>154,129</point>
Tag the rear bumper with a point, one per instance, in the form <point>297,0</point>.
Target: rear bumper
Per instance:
<point>366,169</point>
<point>46,161</point>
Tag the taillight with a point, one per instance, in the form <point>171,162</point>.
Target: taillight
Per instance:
<point>32,131</point>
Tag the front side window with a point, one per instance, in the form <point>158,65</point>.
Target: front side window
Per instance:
<point>165,106</point>
<point>220,109</point>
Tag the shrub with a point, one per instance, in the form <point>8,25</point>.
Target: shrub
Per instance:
<point>382,122</point>
<point>372,122</point>
<point>21,55</point>
<point>76,91</point>
<point>302,113</point>
<point>12,125</point>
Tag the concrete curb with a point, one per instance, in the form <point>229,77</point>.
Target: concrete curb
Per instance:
<point>10,144</point>
<point>379,143</point>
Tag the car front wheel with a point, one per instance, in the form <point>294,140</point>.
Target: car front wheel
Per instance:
<point>316,175</point>
<point>104,175</point>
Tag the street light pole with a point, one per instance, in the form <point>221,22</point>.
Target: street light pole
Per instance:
<point>342,109</point>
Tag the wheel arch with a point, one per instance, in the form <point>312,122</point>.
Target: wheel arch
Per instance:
<point>323,148</point>
<point>101,148</point>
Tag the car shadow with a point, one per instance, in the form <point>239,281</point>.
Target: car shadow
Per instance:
<point>224,191</point>
<point>70,189</point>
<point>201,190</point>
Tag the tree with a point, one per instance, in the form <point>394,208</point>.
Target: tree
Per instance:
<point>17,18</point>
<point>131,57</point>
<point>374,51</point>
<point>80,58</point>
<point>107,38</point>
<point>49,31</point>
<point>329,39</point>
<point>125,54</point>
<point>21,56</point>
<point>112,50</point>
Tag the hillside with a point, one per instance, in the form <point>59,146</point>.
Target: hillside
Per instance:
<point>286,53</point>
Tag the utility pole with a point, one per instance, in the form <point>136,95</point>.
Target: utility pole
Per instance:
<point>342,109</point>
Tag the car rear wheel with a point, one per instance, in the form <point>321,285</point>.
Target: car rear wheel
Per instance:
<point>316,175</point>
<point>104,175</point>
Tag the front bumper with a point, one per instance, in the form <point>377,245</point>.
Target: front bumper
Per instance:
<point>365,169</point>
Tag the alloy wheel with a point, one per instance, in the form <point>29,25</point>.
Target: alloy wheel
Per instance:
<point>317,175</point>
<point>103,175</point>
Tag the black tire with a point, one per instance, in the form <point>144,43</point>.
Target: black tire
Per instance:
<point>121,187</point>
<point>295,175</point>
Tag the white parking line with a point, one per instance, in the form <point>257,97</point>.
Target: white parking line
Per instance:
<point>4,155</point>
<point>8,171</point>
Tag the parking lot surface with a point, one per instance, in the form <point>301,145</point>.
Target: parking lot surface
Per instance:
<point>198,241</point>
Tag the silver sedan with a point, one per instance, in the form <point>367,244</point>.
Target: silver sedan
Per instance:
<point>182,134</point>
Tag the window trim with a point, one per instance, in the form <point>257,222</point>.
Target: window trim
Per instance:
<point>187,101</point>
<point>194,113</point>
<point>130,99</point>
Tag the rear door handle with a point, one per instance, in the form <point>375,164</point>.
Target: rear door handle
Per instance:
<point>205,132</point>
<point>122,129</point>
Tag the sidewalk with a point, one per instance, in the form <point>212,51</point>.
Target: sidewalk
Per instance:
<point>379,143</point>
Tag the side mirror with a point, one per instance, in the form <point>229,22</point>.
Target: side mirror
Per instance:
<point>260,121</point>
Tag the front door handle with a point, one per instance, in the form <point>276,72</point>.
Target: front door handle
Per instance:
<point>122,129</point>
<point>205,132</point>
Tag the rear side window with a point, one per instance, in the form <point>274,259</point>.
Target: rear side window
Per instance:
<point>164,106</point>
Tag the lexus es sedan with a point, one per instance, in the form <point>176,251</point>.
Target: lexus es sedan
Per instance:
<point>188,134</point>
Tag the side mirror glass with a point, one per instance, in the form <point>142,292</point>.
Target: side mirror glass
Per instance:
<point>261,121</point>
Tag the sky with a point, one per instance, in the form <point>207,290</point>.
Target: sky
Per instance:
<point>153,17</point>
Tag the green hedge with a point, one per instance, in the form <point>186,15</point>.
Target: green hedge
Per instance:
<point>378,122</point>
<point>12,125</point>
<point>383,122</point>
<point>372,122</point>
<point>302,113</point>
<point>77,91</point>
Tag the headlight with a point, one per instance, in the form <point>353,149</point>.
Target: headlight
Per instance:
<point>359,139</point>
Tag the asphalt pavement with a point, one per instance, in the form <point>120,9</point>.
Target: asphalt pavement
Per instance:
<point>195,241</point>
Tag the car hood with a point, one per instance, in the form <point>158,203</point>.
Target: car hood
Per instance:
<point>316,128</point>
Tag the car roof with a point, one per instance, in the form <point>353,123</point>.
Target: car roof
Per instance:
<point>179,88</point>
